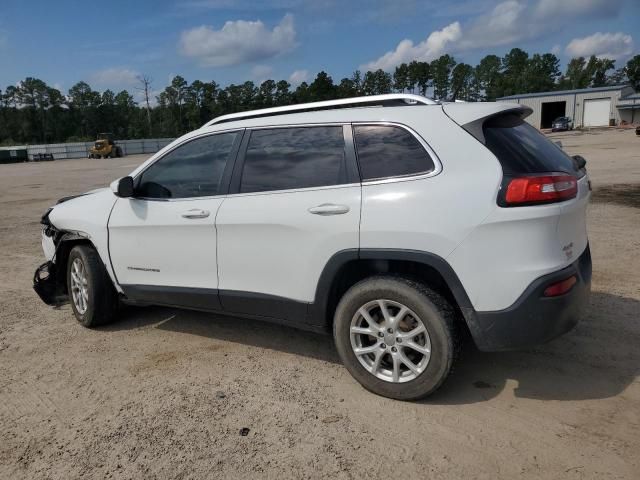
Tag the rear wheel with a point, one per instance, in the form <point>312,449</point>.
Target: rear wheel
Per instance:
<point>396,337</point>
<point>94,300</point>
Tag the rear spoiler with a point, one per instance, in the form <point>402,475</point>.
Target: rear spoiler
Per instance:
<point>471,116</point>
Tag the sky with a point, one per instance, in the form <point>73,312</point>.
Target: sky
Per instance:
<point>109,43</point>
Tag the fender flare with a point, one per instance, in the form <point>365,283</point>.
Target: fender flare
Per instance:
<point>318,310</point>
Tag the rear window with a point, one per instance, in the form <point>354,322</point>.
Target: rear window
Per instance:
<point>522,149</point>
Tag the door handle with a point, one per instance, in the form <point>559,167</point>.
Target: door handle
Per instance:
<point>329,209</point>
<point>195,213</point>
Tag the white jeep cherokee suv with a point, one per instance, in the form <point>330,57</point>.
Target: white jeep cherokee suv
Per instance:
<point>394,221</point>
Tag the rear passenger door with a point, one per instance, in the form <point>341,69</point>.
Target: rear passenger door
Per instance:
<point>294,202</point>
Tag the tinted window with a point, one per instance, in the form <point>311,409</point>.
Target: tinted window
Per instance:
<point>286,158</point>
<point>388,151</point>
<point>521,148</point>
<point>191,170</point>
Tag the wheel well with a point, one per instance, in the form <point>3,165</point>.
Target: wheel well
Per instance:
<point>356,270</point>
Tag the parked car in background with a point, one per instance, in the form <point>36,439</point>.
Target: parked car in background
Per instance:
<point>561,124</point>
<point>395,222</point>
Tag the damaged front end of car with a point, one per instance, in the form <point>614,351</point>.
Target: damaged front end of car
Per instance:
<point>49,280</point>
<point>46,284</point>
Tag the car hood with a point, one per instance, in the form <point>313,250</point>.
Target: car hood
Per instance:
<point>83,213</point>
<point>90,192</point>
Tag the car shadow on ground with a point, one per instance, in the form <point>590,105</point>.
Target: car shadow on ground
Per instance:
<point>598,359</point>
<point>225,328</point>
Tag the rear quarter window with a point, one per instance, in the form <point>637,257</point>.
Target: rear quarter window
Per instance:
<point>386,151</point>
<point>522,149</point>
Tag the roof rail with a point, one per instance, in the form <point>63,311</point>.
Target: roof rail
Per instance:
<point>371,100</point>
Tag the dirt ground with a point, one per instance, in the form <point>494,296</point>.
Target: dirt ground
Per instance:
<point>164,393</point>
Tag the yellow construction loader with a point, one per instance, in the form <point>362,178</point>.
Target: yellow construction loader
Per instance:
<point>105,147</point>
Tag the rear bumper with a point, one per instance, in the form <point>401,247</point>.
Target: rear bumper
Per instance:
<point>534,319</point>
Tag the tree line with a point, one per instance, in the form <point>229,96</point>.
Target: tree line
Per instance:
<point>34,112</point>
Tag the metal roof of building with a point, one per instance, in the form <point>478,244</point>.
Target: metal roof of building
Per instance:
<point>564,92</point>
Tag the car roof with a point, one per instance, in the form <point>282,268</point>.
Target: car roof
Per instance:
<point>376,108</point>
<point>391,99</point>
<point>360,114</point>
<point>417,116</point>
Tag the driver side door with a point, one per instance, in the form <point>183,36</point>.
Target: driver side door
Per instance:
<point>162,241</point>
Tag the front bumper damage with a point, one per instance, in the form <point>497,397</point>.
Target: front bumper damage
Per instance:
<point>48,280</point>
<point>47,285</point>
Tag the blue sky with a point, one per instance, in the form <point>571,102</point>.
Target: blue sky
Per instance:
<point>108,43</point>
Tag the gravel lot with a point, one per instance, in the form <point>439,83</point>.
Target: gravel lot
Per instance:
<point>164,393</point>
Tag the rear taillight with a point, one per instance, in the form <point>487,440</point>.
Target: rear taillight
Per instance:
<point>560,288</point>
<point>536,189</point>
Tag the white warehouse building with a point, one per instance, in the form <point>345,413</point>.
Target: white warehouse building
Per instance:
<point>587,107</point>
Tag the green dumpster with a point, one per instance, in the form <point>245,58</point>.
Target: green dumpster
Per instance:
<point>13,155</point>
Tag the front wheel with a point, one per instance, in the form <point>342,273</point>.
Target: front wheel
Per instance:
<point>396,337</point>
<point>94,300</point>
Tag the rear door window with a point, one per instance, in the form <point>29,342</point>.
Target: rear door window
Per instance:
<point>522,149</point>
<point>389,151</point>
<point>293,158</point>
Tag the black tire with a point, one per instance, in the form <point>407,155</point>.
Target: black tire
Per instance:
<point>102,302</point>
<point>434,311</point>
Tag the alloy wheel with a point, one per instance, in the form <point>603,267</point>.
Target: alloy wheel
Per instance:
<point>390,341</point>
<point>79,286</point>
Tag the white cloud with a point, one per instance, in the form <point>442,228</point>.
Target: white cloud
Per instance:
<point>550,8</point>
<point>115,77</point>
<point>238,42</point>
<point>556,49</point>
<point>299,76</point>
<point>138,97</point>
<point>260,73</point>
<point>507,23</point>
<point>434,46</point>
<point>603,45</point>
